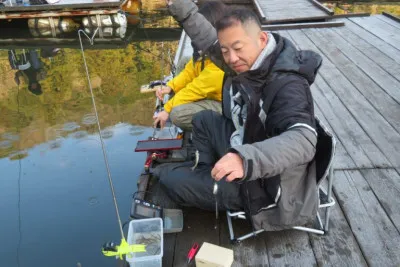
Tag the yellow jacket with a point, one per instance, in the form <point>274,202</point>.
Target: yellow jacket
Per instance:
<point>194,84</point>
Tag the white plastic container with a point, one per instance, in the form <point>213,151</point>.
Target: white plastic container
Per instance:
<point>150,233</point>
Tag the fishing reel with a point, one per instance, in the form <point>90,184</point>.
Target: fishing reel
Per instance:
<point>111,249</point>
<point>157,83</point>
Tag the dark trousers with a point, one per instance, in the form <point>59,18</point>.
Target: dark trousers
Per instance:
<point>194,188</point>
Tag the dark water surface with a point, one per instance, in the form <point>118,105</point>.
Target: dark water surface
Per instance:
<point>55,201</point>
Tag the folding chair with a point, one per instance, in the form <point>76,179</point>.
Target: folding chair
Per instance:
<point>324,156</point>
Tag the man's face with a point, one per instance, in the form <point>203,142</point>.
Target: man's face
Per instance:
<point>240,48</point>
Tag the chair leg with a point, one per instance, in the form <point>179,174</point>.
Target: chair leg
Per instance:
<point>311,230</point>
<point>231,234</point>
<point>329,193</point>
<point>321,225</point>
<point>243,237</point>
<point>319,231</point>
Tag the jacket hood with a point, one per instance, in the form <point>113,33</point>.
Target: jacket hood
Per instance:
<point>284,59</point>
<point>303,62</point>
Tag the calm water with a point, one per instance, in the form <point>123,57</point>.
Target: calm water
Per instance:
<point>55,201</point>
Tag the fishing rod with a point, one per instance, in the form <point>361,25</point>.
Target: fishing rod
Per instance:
<point>110,248</point>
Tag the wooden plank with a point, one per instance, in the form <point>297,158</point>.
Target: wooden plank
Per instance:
<point>380,44</point>
<point>379,240</point>
<point>386,32</point>
<point>169,250</point>
<point>279,4</point>
<point>249,252</point>
<point>273,8</point>
<point>311,18</point>
<point>349,61</point>
<point>302,25</point>
<point>392,28</point>
<point>289,248</point>
<point>27,15</point>
<point>198,227</point>
<point>386,186</point>
<point>157,195</point>
<point>342,159</point>
<point>381,132</point>
<point>259,10</point>
<point>351,15</point>
<point>334,98</point>
<point>393,22</point>
<point>355,141</point>
<point>357,61</point>
<point>391,16</point>
<point>68,6</point>
<point>301,12</point>
<point>371,52</point>
<point>322,7</point>
<point>289,10</point>
<point>339,247</point>
<point>282,11</point>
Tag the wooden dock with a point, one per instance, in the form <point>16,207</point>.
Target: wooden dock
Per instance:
<point>277,11</point>
<point>64,8</point>
<point>357,94</point>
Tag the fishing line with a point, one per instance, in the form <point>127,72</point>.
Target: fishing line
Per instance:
<point>99,127</point>
<point>19,186</point>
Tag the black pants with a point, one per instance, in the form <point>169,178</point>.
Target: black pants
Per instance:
<point>211,137</point>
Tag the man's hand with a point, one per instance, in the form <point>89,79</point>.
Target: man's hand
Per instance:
<point>161,118</point>
<point>162,90</point>
<point>229,166</point>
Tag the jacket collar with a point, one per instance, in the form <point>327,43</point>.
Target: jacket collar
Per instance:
<point>268,49</point>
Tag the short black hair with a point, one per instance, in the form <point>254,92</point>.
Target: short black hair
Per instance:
<point>235,15</point>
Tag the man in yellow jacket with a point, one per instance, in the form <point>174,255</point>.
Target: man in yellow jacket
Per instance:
<point>194,90</point>
<point>198,87</point>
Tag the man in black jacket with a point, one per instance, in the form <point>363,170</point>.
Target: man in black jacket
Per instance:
<point>261,149</point>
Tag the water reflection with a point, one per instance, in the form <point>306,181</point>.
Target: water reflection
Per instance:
<point>6,144</point>
<point>136,130</point>
<point>71,126</point>
<point>107,133</point>
<point>10,136</point>
<point>65,106</point>
<point>80,134</point>
<point>89,119</point>
<point>29,66</point>
<point>55,200</point>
